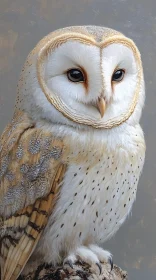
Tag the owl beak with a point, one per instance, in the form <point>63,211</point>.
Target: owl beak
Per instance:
<point>101,105</point>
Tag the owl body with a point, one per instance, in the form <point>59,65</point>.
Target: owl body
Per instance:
<point>72,156</point>
<point>98,190</point>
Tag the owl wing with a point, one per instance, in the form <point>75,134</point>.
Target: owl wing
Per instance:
<point>31,172</point>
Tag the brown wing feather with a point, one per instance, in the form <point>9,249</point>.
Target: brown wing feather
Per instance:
<point>31,172</point>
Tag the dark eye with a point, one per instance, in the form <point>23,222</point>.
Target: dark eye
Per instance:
<point>75,75</point>
<point>118,75</point>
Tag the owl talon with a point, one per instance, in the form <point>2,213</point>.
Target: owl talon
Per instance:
<point>92,255</point>
<point>111,263</point>
<point>80,262</point>
<point>69,263</point>
<point>100,267</point>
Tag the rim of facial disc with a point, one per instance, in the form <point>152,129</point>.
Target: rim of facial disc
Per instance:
<point>68,111</point>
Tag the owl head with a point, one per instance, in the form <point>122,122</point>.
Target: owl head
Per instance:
<point>84,76</point>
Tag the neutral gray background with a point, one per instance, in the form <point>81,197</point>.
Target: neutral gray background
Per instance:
<point>22,24</point>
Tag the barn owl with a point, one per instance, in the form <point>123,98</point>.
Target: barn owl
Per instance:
<point>73,153</point>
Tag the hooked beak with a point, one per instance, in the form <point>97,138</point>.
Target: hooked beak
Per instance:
<point>101,105</point>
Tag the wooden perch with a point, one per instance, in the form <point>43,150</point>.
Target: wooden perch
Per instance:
<point>79,271</point>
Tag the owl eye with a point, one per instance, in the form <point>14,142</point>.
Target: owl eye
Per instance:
<point>75,75</point>
<point>118,75</point>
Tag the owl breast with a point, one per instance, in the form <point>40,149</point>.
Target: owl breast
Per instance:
<point>96,197</point>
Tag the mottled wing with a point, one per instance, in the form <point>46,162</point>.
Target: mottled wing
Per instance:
<point>30,175</point>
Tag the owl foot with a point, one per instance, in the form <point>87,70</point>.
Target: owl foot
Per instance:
<point>92,255</point>
<point>103,255</point>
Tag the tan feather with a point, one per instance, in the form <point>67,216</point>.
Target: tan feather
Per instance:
<point>29,185</point>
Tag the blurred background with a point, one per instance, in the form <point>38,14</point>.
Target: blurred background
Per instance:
<point>22,24</point>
